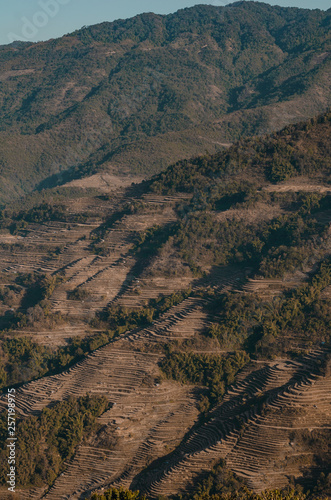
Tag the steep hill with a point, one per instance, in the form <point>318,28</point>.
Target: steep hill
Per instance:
<point>154,332</point>
<point>135,95</point>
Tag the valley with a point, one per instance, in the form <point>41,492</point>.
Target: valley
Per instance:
<point>165,258</point>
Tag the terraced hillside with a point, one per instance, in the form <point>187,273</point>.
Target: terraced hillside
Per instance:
<point>202,317</point>
<point>258,446</point>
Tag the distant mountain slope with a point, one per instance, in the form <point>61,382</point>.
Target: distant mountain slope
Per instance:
<point>144,92</point>
<point>303,149</point>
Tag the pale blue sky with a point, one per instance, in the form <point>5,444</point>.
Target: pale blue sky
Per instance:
<point>43,19</point>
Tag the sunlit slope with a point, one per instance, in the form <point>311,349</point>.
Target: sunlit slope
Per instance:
<point>138,94</point>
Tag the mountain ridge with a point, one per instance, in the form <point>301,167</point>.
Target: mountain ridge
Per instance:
<point>135,95</point>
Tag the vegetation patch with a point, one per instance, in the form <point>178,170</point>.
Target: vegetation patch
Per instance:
<point>17,221</point>
<point>214,372</point>
<point>47,441</point>
<point>221,484</point>
<point>272,158</point>
<point>121,319</point>
<point>263,327</point>
<point>78,294</point>
<point>22,360</point>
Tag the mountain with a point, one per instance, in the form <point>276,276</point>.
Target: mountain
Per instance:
<point>134,95</point>
<point>173,337</point>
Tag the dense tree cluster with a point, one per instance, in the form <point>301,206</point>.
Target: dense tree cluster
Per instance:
<point>18,221</point>
<point>220,485</point>
<point>213,372</point>
<point>47,441</point>
<point>262,327</point>
<point>301,149</point>
<point>272,247</point>
<point>122,319</point>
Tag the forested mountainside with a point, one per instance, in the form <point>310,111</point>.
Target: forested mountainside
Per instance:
<point>297,150</point>
<point>134,95</point>
<point>173,337</point>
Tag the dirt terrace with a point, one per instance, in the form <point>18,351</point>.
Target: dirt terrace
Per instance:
<point>151,438</point>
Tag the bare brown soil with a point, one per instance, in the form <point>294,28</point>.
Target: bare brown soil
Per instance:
<point>104,182</point>
<point>151,437</point>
